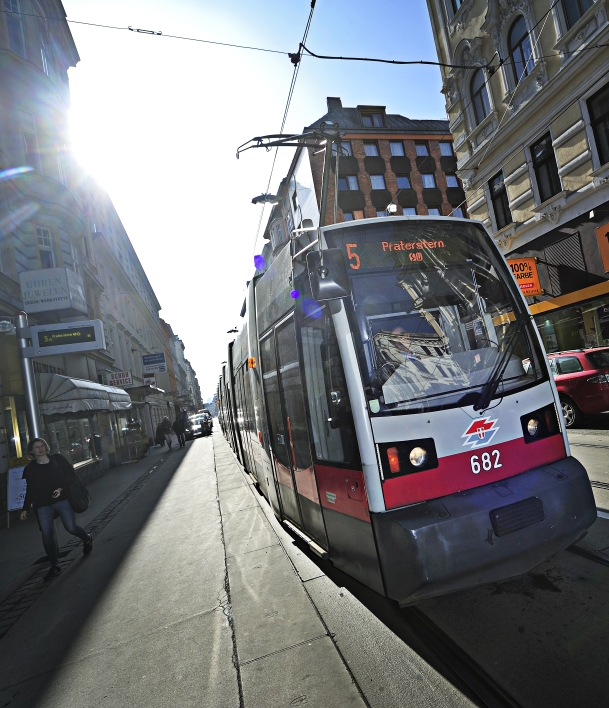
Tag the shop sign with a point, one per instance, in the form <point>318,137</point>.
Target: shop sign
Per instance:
<point>52,289</point>
<point>154,363</point>
<point>16,489</point>
<point>66,338</point>
<point>526,274</point>
<point>150,380</point>
<point>119,378</point>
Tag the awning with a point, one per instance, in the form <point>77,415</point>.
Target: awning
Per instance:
<point>61,394</point>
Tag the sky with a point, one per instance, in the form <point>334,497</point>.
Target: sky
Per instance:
<point>157,122</point>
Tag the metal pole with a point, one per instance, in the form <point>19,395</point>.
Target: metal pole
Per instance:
<point>32,412</point>
<point>325,181</point>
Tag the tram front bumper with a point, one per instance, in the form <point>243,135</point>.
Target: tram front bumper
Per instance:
<point>452,543</point>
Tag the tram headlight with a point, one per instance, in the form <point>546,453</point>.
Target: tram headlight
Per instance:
<point>533,427</point>
<point>418,456</point>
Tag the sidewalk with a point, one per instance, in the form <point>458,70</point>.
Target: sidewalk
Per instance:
<point>194,595</point>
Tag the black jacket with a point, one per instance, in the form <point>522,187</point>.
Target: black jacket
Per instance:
<point>36,477</point>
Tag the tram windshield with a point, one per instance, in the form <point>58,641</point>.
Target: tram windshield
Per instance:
<point>437,322</point>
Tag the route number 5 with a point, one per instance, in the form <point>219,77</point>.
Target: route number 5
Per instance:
<point>352,256</point>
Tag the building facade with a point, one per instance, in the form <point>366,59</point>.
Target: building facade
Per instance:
<point>387,164</point>
<point>528,103</point>
<point>65,257</point>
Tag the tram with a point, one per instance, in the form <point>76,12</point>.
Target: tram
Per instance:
<point>377,394</point>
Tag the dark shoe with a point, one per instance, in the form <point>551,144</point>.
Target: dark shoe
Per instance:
<point>87,546</point>
<point>54,571</point>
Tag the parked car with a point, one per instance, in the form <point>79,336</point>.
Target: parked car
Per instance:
<point>582,380</point>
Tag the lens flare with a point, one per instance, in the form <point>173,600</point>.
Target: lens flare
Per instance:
<point>259,262</point>
<point>312,308</point>
<point>13,172</point>
<point>294,294</point>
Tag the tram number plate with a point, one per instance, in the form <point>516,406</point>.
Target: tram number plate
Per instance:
<point>486,461</point>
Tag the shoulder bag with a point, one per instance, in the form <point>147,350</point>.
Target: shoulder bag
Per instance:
<point>78,495</point>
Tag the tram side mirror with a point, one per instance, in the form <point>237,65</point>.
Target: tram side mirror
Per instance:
<point>329,280</point>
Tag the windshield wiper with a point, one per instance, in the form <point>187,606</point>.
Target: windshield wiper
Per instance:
<point>490,387</point>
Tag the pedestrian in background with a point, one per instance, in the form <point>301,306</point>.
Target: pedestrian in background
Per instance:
<point>165,427</point>
<point>46,477</point>
<point>179,430</point>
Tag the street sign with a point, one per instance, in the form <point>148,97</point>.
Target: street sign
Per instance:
<point>527,277</point>
<point>66,338</point>
<point>119,378</point>
<point>154,363</point>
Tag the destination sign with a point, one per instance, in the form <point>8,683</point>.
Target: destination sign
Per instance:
<point>69,335</point>
<point>383,254</point>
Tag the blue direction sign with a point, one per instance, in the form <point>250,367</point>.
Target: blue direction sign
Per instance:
<point>154,363</point>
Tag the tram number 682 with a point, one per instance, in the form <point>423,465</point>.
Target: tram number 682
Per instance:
<point>486,461</point>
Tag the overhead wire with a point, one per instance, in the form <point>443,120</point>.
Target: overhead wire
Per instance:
<point>296,61</point>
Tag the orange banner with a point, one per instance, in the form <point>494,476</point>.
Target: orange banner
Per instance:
<point>527,277</point>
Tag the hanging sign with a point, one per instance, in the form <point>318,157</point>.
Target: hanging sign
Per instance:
<point>526,274</point>
<point>154,363</point>
<point>149,380</point>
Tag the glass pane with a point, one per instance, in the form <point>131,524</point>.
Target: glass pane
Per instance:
<point>347,216</point>
<point>15,38</point>
<point>428,181</point>
<point>352,181</point>
<point>367,121</point>
<point>569,365</point>
<point>377,120</point>
<point>342,184</point>
<point>403,182</point>
<point>422,150</point>
<point>270,384</point>
<point>599,360</point>
<point>371,150</point>
<point>397,149</point>
<point>293,399</point>
<point>381,213</point>
<point>452,181</point>
<point>409,211</point>
<point>377,181</point>
<point>446,149</point>
<point>433,211</point>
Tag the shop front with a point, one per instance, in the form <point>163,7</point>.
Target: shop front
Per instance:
<point>85,421</point>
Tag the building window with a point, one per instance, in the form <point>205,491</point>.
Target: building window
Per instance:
<point>446,149</point>
<point>372,120</point>
<point>422,149</point>
<point>371,149</point>
<point>482,106</point>
<point>358,214</point>
<point>499,198</point>
<point>13,24</point>
<point>456,4</point>
<point>382,213</point>
<point>519,44</point>
<point>348,183</point>
<point>452,181</point>
<point>546,169</point>
<point>429,181</point>
<point>397,148</point>
<point>346,149</point>
<point>409,211</point>
<point>347,216</point>
<point>433,211</point>
<point>403,181</point>
<point>457,211</point>
<point>574,9</point>
<point>45,248</point>
<point>598,107</point>
<point>377,181</point>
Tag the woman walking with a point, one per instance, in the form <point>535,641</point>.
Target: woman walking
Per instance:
<point>46,477</point>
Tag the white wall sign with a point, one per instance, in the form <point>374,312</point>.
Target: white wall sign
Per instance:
<point>150,380</point>
<point>52,289</point>
<point>16,489</point>
<point>119,378</point>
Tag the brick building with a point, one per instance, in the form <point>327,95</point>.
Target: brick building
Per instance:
<point>386,159</point>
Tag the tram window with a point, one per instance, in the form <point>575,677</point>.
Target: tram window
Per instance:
<point>329,410</point>
<point>273,402</point>
<point>291,387</point>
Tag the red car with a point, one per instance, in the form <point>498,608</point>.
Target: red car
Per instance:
<point>582,380</point>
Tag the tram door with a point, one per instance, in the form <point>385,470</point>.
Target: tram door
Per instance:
<point>296,464</point>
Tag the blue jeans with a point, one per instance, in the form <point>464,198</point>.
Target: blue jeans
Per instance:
<point>46,518</point>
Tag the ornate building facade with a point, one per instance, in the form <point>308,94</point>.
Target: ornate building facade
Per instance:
<point>528,102</point>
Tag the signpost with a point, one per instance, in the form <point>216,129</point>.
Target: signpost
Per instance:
<point>154,363</point>
<point>527,277</point>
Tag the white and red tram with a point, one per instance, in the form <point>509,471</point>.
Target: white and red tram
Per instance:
<point>377,393</point>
